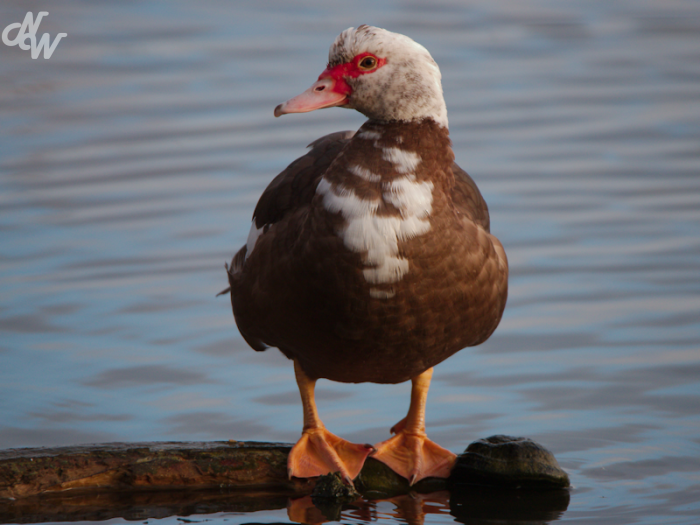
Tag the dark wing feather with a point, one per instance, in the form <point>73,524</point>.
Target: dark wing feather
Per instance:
<point>296,185</point>
<point>290,190</point>
<point>468,199</point>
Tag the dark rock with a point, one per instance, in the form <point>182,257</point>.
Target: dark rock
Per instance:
<point>331,486</point>
<point>330,493</point>
<point>508,462</point>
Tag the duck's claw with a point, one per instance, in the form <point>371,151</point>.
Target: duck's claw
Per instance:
<point>414,456</point>
<point>319,452</point>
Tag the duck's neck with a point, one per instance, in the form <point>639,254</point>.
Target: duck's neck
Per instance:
<point>381,152</point>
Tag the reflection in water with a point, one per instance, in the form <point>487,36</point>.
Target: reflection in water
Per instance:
<point>474,505</point>
<point>96,506</point>
<point>410,508</point>
<point>466,504</point>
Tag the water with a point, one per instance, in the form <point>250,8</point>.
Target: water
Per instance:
<point>130,163</point>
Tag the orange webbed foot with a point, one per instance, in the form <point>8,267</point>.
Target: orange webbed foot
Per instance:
<point>410,453</point>
<point>319,452</point>
<point>414,456</point>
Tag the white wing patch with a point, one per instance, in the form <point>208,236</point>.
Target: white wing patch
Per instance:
<point>413,199</point>
<point>364,173</point>
<point>369,134</point>
<point>404,161</point>
<point>345,201</point>
<point>377,237</point>
<point>381,294</point>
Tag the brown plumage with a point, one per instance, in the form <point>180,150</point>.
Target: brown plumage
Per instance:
<point>302,291</point>
<point>370,258</point>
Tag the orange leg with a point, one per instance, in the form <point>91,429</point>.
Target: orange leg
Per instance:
<point>318,451</point>
<point>410,453</point>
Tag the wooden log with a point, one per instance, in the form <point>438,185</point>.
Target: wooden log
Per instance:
<point>497,460</point>
<point>148,466</point>
<point>136,480</point>
<point>139,480</point>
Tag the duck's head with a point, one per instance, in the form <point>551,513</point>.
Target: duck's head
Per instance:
<point>383,75</point>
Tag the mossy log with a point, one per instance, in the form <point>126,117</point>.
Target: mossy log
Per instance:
<point>234,465</point>
<point>133,480</point>
<point>147,467</point>
<point>498,460</point>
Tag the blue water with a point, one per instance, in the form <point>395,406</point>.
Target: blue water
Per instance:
<point>131,161</point>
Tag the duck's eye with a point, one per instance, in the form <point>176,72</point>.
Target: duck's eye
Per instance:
<point>368,63</point>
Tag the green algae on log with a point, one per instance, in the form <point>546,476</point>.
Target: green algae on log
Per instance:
<point>506,461</point>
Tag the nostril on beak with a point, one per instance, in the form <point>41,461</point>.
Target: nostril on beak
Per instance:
<point>320,88</point>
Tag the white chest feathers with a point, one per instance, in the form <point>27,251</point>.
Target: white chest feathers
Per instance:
<point>377,236</point>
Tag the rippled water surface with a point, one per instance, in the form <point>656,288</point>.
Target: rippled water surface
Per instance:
<point>130,163</point>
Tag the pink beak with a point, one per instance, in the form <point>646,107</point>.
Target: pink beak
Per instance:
<point>319,95</point>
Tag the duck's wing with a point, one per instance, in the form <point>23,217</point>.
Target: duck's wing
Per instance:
<point>291,190</point>
<point>296,185</point>
<point>468,200</point>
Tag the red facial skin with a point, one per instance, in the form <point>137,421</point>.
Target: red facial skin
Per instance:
<point>349,70</point>
<point>331,89</point>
